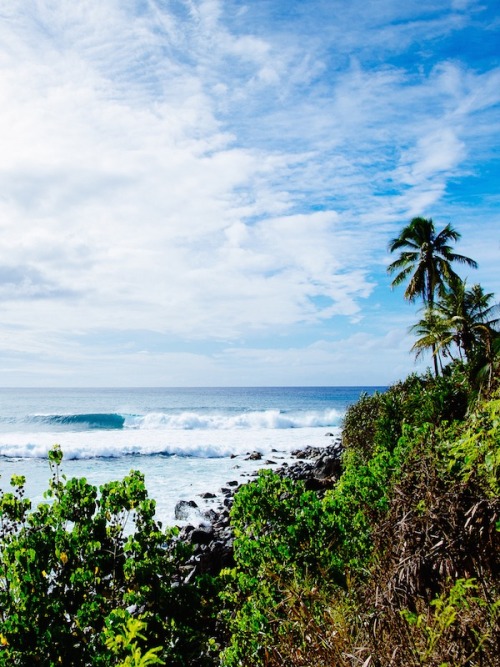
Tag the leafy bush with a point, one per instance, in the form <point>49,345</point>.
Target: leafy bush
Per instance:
<point>476,451</point>
<point>280,537</point>
<point>70,563</point>
<point>380,419</point>
<point>341,580</point>
<point>396,565</point>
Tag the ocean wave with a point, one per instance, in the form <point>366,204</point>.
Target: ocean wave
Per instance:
<point>187,420</point>
<point>128,443</point>
<point>267,419</point>
<point>91,421</point>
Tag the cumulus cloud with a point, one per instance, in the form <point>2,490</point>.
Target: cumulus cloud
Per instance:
<point>213,173</point>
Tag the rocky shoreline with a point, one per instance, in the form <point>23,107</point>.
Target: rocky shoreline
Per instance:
<point>212,539</point>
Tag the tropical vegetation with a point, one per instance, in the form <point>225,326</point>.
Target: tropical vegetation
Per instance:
<point>426,261</point>
<point>463,320</point>
<point>395,565</point>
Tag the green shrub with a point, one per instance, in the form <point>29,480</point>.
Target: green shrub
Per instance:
<point>379,420</point>
<point>476,450</point>
<point>68,564</point>
<point>454,612</point>
<point>416,478</point>
<point>280,537</point>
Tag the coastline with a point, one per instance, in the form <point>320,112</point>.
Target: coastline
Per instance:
<point>206,519</point>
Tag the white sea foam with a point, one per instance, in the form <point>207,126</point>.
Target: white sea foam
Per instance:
<point>272,419</point>
<point>197,461</point>
<point>183,442</point>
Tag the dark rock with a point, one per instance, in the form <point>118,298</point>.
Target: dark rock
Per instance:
<point>211,515</point>
<point>184,509</point>
<point>314,484</point>
<point>254,456</point>
<point>207,495</point>
<point>328,467</point>
<point>318,467</point>
<point>201,536</point>
<point>299,453</point>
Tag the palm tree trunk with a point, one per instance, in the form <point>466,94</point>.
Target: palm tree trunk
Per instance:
<point>434,357</point>
<point>430,305</point>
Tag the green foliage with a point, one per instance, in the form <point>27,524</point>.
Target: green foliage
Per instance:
<point>68,564</point>
<point>476,451</point>
<point>379,420</point>
<point>432,636</point>
<point>280,537</point>
<point>360,424</point>
<point>379,433</point>
<point>276,519</point>
<point>308,567</point>
<point>122,634</point>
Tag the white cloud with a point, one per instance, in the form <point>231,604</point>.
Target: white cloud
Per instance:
<point>215,175</point>
<point>357,360</point>
<point>436,152</point>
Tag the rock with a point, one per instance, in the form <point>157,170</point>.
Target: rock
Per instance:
<point>299,453</point>
<point>201,536</point>
<point>184,509</point>
<point>328,467</point>
<point>254,456</point>
<point>211,515</point>
<point>318,467</point>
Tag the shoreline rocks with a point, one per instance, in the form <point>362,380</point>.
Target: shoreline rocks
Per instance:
<point>212,540</point>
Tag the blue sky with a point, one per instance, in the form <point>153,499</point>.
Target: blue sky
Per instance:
<point>201,192</point>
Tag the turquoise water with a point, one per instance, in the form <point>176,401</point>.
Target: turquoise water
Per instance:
<point>185,441</point>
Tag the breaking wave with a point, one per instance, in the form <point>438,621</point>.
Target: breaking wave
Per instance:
<point>188,420</point>
<point>266,419</point>
<point>90,421</point>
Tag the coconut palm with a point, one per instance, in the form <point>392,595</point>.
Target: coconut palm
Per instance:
<point>470,314</point>
<point>487,368</point>
<point>472,317</point>
<point>434,333</point>
<point>425,262</point>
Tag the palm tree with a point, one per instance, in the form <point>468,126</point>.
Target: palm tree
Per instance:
<point>433,333</point>
<point>470,314</point>
<point>425,261</point>
<point>488,366</point>
<point>472,317</point>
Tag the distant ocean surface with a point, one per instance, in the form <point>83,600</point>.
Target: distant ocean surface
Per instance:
<point>186,441</point>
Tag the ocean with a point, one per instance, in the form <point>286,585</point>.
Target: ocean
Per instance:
<point>186,441</point>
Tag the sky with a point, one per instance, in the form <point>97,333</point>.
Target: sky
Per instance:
<point>202,192</point>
